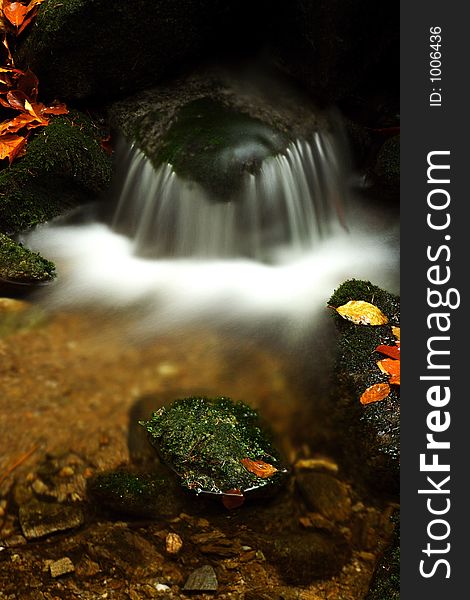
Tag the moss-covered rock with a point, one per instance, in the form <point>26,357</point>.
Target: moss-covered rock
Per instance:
<point>20,265</point>
<point>385,584</point>
<point>371,447</point>
<point>64,166</point>
<point>140,495</point>
<point>91,48</point>
<point>215,446</point>
<point>386,171</point>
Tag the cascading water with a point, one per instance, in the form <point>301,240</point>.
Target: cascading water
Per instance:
<point>275,250</point>
<point>293,201</point>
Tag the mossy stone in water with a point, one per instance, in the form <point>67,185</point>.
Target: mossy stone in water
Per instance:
<point>215,446</point>
<point>215,146</point>
<point>20,265</point>
<point>141,495</point>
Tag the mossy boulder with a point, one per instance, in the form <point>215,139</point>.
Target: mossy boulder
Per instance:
<point>371,440</point>
<point>64,166</point>
<point>20,265</point>
<point>216,446</point>
<point>211,131</point>
<point>93,49</point>
<point>386,171</point>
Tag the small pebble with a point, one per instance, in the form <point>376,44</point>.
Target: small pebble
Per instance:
<point>61,567</point>
<point>173,543</point>
<point>66,472</point>
<point>203,579</point>
<point>161,587</point>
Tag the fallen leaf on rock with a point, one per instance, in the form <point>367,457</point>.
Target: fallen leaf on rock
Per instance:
<point>362,313</point>
<point>11,146</point>
<point>392,368</point>
<point>391,351</point>
<point>232,499</point>
<point>259,467</point>
<point>375,392</point>
<point>396,332</point>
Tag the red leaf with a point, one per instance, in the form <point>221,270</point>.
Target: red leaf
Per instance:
<point>258,467</point>
<point>375,393</point>
<point>55,109</point>
<point>233,498</point>
<point>28,83</point>
<point>391,351</point>
<point>20,121</point>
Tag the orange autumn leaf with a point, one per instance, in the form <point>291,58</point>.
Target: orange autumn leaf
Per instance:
<point>258,467</point>
<point>11,146</point>
<point>392,368</point>
<point>390,351</point>
<point>15,12</point>
<point>233,498</point>
<point>17,123</point>
<point>375,393</point>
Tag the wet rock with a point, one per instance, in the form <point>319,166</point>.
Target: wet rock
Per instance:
<point>61,567</point>
<point>141,495</point>
<point>203,579</point>
<point>151,39</point>
<point>173,543</point>
<point>64,166</point>
<point>303,557</point>
<point>386,171</point>
<point>124,549</point>
<point>216,446</point>
<point>38,519</point>
<point>385,584</point>
<point>371,448</point>
<point>215,146</point>
<point>325,494</point>
<point>18,265</point>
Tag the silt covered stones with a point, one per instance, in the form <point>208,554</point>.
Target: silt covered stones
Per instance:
<point>216,446</point>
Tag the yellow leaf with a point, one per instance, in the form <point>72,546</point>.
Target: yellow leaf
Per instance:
<point>396,332</point>
<point>362,313</point>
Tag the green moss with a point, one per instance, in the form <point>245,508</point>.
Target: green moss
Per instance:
<point>215,146</point>
<point>204,441</point>
<point>387,166</point>
<point>64,166</point>
<point>144,495</point>
<point>18,264</point>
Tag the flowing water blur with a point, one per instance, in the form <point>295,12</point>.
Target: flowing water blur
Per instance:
<point>272,255</point>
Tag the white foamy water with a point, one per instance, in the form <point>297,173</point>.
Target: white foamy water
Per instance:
<point>214,270</point>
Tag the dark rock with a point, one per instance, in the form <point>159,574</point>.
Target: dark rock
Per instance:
<point>18,265</point>
<point>119,547</point>
<point>140,495</point>
<point>334,46</point>
<point>85,48</point>
<point>386,171</point>
<point>38,519</point>
<point>203,579</point>
<point>385,584</point>
<point>64,166</point>
<point>325,494</point>
<point>215,446</point>
<point>303,557</point>
<point>372,445</point>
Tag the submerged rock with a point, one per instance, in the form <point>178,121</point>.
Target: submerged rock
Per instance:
<point>141,495</point>
<point>371,430</point>
<point>38,519</point>
<point>216,446</point>
<point>302,558</point>
<point>203,579</point>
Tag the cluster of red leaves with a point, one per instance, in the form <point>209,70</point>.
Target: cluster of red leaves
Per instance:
<point>19,89</point>
<point>390,366</point>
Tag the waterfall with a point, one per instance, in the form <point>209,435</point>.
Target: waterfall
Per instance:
<point>293,201</point>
